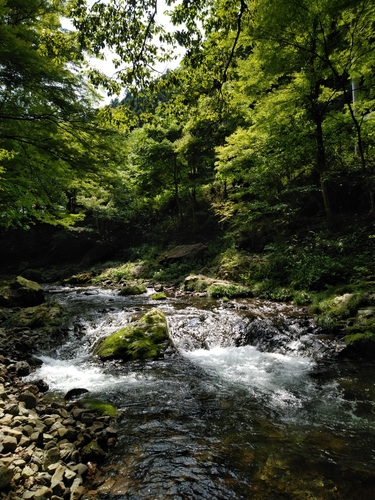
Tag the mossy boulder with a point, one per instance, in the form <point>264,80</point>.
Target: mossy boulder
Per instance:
<point>21,292</point>
<point>133,290</point>
<point>79,279</point>
<point>158,296</point>
<point>49,314</point>
<point>146,339</point>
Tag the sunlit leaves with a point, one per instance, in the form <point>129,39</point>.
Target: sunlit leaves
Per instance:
<point>129,30</point>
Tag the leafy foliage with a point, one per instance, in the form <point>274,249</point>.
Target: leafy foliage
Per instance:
<point>49,140</point>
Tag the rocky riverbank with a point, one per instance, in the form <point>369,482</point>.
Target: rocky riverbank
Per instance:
<point>49,445</point>
<point>48,448</point>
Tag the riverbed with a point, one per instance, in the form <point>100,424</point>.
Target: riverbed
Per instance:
<point>253,404</point>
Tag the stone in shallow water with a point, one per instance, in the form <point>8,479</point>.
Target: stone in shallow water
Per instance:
<point>146,339</point>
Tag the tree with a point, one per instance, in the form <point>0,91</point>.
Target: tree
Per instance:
<point>127,29</point>
<point>48,135</point>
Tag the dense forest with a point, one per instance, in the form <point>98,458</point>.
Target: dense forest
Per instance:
<point>257,142</point>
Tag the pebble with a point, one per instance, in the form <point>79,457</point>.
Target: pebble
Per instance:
<point>43,445</point>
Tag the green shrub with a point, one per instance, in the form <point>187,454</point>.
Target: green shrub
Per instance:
<point>301,298</point>
<point>232,264</point>
<point>329,324</point>
<point>130,270</point>
<point>198,285</point>
<point>230,291</point>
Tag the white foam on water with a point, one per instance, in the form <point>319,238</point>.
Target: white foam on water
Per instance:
<point>276,375</point>
<point>64,375</point>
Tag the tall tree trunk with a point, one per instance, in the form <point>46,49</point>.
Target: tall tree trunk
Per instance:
<point>359,149</point>
<point>321,161</point>
<point>176,180</point>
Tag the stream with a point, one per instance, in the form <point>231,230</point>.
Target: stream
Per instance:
<point>253,405</point>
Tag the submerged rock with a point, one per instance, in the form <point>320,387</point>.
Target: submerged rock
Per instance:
<point>74,393</point>
<point>146,339</point>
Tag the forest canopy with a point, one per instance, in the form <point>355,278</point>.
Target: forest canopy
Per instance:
<point>269,115</point>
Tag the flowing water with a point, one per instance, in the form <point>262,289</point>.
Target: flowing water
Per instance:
<point>249,407</point>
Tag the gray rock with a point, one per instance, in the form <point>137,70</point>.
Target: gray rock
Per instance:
<point>69,475</point>
<point>71,434</point>
<point>28,398</point>
<point>43,493</point>
<point>22,368</point>
<point>22,293</point>
<point>42,385</point>
<point>66,448</point>
<point>87,418</point>
<point>13,409</point>
<point>81,469</point>
<point>43,478</point>
<point>58,475</point>
<point>3,394</point>
<point>9,443</point>
<point>76,490</point>
<point>6,476</point>
<point>28,430</point>
<point>27,471</point>
<point>15,433</point>
<point>37,438</point>
<point>74,392</point>
<point>51,456</point>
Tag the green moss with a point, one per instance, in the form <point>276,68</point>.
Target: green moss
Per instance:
<point>230,291</point>
<point>47,314</point>
<point>141,340</point>
<point>158,296</point>
<point>133,290</point>
<point>153,317</point>
<point>101,407</point>
<point>351,339</point>
<point>80,278</point>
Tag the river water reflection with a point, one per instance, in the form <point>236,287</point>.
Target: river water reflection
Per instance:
<point>222,420</point>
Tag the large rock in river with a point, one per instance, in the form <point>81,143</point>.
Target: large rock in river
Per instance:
<point>21,293</point>
<point>146,339</point>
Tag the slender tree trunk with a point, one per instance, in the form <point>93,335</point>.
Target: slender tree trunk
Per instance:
<point>176,179</point>
<point>317,114</point>
<point>359,150</point>
<point>322,164</point>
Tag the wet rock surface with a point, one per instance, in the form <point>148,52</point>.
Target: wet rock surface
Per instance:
<point>24,331</point>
